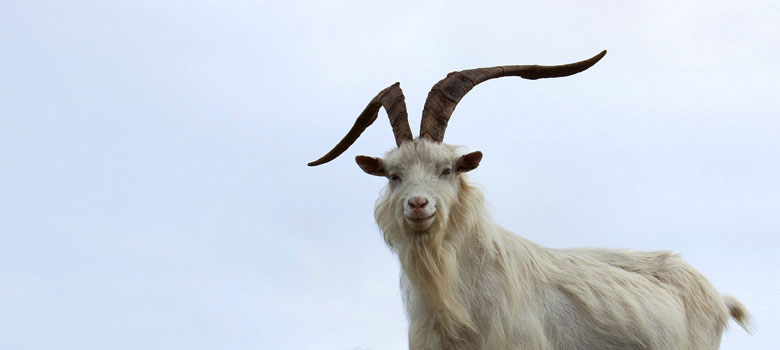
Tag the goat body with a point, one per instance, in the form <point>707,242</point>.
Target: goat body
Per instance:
<point>470,284</point>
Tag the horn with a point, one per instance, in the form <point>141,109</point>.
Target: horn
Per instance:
<point>392,99</point>
<point>446,94</point>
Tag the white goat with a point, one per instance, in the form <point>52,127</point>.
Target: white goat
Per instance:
<point>470,284</point>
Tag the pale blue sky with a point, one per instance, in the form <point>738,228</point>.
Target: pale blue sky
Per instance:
<point>154,192</point>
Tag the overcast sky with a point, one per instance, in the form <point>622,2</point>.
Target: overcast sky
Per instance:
<point>154,192</point>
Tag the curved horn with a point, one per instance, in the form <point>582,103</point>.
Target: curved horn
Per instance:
<point>446,94</point>
<point>392,99</point>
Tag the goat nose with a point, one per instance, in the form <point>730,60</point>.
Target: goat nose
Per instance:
<point>418,202</point>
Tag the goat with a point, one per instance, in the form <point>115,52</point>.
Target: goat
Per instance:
<point>468,283</point>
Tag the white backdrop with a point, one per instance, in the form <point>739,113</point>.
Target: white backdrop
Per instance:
<point>154,192</point>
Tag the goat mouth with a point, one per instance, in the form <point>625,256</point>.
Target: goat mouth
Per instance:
<point>420,220</point>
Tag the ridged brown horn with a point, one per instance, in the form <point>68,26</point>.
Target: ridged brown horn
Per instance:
<point>392,99</point>
<point>446,94</point>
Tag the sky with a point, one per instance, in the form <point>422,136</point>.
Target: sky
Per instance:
<point>154,192</point>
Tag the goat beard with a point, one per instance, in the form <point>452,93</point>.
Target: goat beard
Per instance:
<point>431,264</point>
<point>429,260</point>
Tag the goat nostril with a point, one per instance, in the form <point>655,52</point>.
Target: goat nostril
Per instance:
<point>418,202</point>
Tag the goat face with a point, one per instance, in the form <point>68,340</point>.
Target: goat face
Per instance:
<point>424,183</point>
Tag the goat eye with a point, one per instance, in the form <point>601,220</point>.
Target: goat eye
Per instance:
<point>446,172</point>
<point>395,178</point>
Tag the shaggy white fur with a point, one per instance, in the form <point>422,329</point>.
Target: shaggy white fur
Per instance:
<point>470,284</point>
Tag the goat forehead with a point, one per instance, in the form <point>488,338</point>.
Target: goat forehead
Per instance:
<point>421,155</point>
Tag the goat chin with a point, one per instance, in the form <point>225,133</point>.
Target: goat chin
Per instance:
<point>470,284</point>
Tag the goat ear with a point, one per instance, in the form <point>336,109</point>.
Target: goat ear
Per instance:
<point>468,162</point>
<point>371,165</point>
